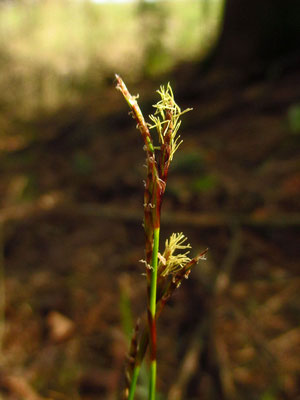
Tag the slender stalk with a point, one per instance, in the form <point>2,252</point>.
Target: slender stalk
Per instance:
<point>152,312</point>
<point>152,326</point>
<point>134,379</point>
<point>152,383</point>
<point>153,283</point>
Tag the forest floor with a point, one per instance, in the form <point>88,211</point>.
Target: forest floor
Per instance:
<point>72,240</point>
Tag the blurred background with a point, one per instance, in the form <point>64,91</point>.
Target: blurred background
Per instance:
<point>71,190</point>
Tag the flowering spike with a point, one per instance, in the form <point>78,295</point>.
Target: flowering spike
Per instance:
<point>166,271</point>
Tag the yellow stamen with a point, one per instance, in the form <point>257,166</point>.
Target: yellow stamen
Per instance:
<point>161,123</point>
<point>175,262</point>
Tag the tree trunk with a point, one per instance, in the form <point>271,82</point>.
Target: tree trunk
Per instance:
<point>258,32</point>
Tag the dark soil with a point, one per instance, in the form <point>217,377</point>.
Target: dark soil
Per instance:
<point>71,201</point>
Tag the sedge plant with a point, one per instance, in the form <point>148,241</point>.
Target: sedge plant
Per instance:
<point>164,270</point>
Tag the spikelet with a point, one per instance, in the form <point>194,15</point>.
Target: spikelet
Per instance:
<point>171,263</point>
<point>161,121</point>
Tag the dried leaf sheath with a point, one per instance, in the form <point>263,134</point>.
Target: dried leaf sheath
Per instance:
<point>137,115</point>
<point>151,211</point>
<point>131,359</point>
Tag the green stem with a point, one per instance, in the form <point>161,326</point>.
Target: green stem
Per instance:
<point>153,283</point>
<point>152,383</point>
<point>152,310</point>
<point>134,379</point>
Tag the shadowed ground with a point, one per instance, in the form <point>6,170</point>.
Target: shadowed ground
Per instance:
<point>72,245</point>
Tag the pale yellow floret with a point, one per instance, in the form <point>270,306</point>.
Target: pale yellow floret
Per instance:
<point>172,263</point>
<point>160,122</point>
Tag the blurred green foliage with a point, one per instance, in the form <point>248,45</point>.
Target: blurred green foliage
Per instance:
<point>188,162</point>
<point>268,396</point>
<point>82,163</point>
<point>293,116</point>
<point>126,310</point>
<point>204,183</point>
<point>52,52</point>
<point>22,188</point>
